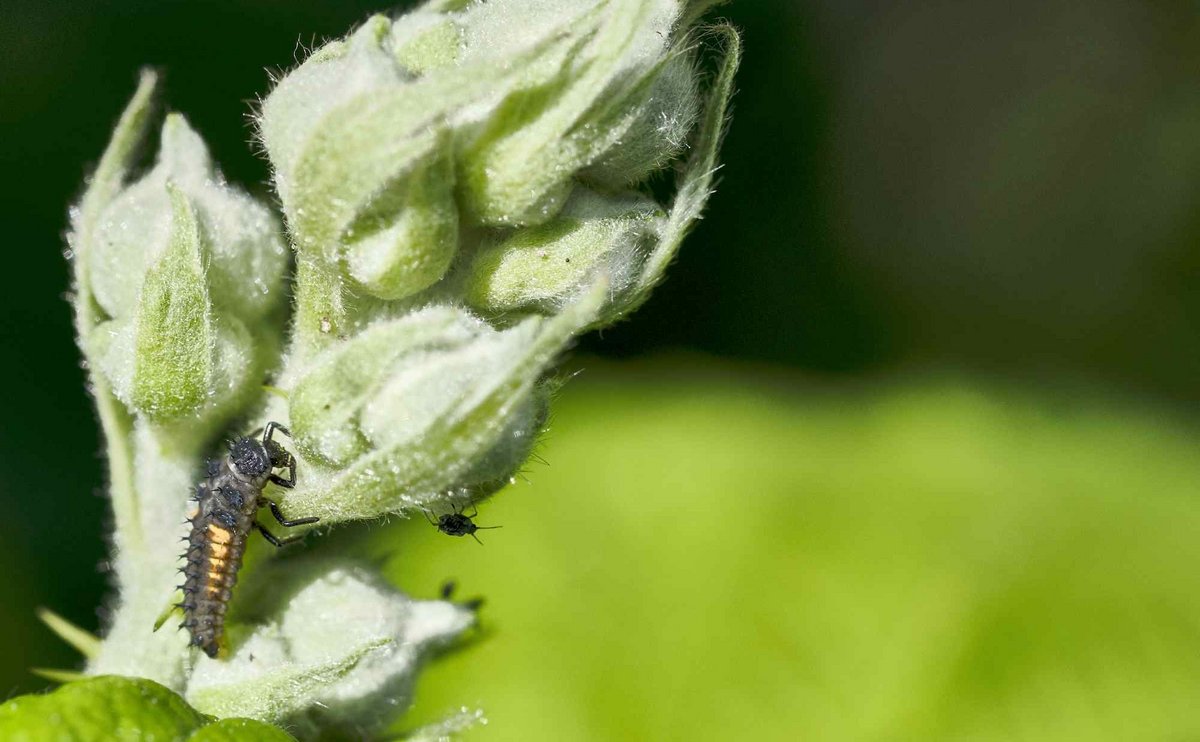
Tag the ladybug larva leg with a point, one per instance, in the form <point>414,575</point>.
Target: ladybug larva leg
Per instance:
<point>274,540</point>
<point>270,431</point>
<point>289,523</point>
<point>290,482</point>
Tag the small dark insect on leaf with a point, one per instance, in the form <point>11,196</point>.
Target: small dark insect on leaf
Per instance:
<point>458,523</point>
<point>447,594</point>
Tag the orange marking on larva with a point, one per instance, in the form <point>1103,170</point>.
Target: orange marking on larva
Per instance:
<point>216,565</point>
<point>219,535</point>
<point>217,551</point>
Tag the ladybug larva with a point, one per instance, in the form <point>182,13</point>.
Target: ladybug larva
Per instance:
<point>227,501</point>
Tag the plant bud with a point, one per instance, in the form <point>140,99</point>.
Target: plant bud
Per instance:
<point>243,255</point>
<point>326,403</point>
<point>343,668</point>
<point>183,265</point>
<point>416,409</point>
<point>405,243</point>
<point>543,268</point>
<point>424,40</point>
<point>518,167</point>
<point>364,183</point>
<point>655,125</point>
<point>173,327</point>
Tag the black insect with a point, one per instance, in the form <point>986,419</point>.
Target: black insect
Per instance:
<point>227,501</point>
<point>458,523</point>
<point>447,594</point>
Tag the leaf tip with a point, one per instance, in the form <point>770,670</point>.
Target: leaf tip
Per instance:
<point>84,641</point>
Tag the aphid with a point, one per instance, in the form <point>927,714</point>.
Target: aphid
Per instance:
<point>227,501</point>
<point>447,594</point>
<point>458,523</point>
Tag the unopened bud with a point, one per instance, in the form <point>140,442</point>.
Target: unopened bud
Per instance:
<point>416,409</point>
<point>364,183</point>
<point>543,268</point>
<point>187,269</point>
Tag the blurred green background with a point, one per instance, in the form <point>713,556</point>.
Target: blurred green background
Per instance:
<point>905,447</point>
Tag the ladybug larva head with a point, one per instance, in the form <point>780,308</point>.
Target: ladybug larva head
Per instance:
<point>249,458</point>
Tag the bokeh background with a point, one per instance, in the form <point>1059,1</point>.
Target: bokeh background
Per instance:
<point>906,447</point>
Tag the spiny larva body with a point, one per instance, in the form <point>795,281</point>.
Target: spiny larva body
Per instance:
<point>227,502</point>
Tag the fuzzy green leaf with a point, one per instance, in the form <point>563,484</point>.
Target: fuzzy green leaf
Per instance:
<point>174,331</point>
<point>439,417</point>
<point>342,639</point>
<point>696,182</point>
<point>117,708</point>
<point>239,730</point>
<point>100,708</point>
<point>106,183</point>
<point>244,256</point>
<point>327,401</point>
<point>520,168</point>
<point>544,268</point>
<point>424,41</point>
<point>404,241</point>
<point>186,267</point>
<point>83,641</point>
<point>655,123</point>
<point>336,75</point>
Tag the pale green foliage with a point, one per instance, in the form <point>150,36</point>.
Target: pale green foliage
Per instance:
<point>416,409</point>
<point>240,236</point>
<point>544,268</point>
<point>326,402</point>
<point>518,168</point>
<point>183,264</point>
<point>455,184</point>
<point>696,183</point>
<point>342,641</point>
<point>404,241</point>
<point>173,329</point>
<point>82,641</point>
<point>124,709</point>
<point>656,130</point>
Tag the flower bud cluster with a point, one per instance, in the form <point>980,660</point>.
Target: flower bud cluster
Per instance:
<point>460,184</point>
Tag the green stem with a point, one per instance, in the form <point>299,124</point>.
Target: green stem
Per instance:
<point>143,568</point>
<point>115,422</point>
<point>117,426</point>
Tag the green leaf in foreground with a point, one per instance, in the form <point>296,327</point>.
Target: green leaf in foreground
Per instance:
<point>239,730</point>
<point>116,708</point>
